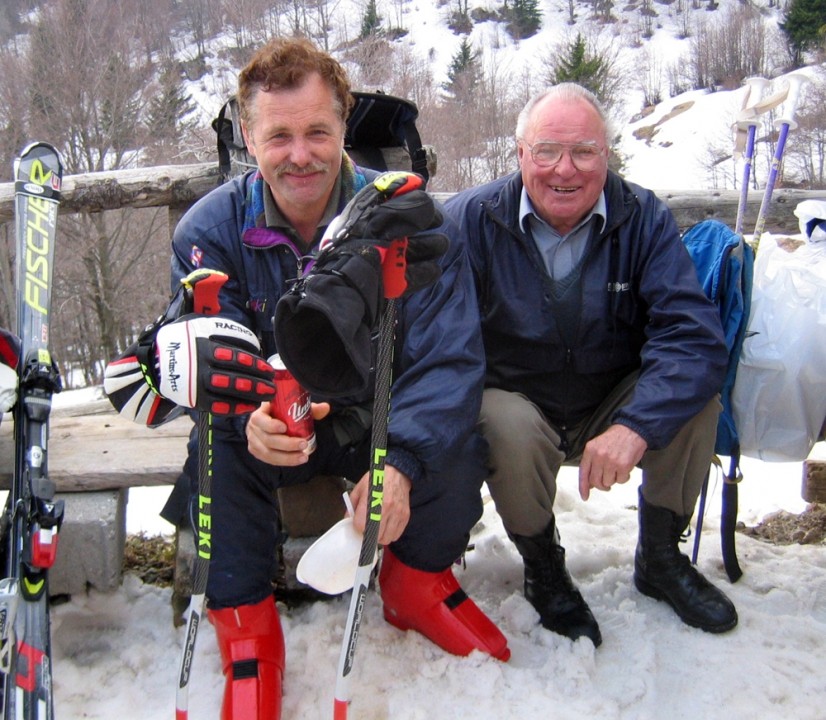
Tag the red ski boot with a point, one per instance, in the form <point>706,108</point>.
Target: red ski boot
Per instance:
<point>252,655</point>
<point>436,606</point>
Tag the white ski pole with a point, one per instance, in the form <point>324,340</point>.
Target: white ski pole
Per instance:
<point>784,123</point>
<point>747,122</point>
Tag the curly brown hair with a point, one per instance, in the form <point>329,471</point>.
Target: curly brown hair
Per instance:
<point>284,63</point>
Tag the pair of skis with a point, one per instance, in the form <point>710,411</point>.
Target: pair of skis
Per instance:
<point>32,517</point>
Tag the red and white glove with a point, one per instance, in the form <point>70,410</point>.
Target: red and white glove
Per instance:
<point>9,358</point>
<point>212,364</point>
<point>207,363</point>
<point>8,388</point>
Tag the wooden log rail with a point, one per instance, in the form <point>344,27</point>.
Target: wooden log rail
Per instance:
<point>179,186</point>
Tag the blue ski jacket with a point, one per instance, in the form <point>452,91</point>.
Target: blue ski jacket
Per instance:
<point>438,361</point>
<point>641,308</point>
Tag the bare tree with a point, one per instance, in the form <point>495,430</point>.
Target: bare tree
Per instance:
<point>198,15</point>
<point>473,128</point>
<point>323,11</point>
<point>729,48</point>
<point>87,86</point>
<point>373,57</point>
<point>152,28</point>
<point>648,75</point>
<point>806,149</point>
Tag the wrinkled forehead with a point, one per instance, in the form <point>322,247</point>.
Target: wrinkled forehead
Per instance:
<point>566,120</point>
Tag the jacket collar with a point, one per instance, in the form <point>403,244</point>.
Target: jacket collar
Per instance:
<point>505,194</point>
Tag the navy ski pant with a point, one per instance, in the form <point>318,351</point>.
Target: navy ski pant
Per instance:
<point>445,505</point>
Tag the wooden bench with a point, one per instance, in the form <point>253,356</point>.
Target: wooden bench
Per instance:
<point>95,456</point>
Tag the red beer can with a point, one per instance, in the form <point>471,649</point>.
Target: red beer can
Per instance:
<point>291,404</point>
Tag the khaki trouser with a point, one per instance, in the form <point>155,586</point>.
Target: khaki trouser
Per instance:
<point>525,457</point>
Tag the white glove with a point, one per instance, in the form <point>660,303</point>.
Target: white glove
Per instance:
<point>8,387</point>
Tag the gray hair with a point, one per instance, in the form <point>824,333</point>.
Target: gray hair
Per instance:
<point>564,91</point>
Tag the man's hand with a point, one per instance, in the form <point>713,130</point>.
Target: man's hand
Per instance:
<point>609,459</point>
<point>395,510</point>
<point>267,441</point>
<point>212,364</point>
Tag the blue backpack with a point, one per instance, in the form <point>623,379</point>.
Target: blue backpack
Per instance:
<point>725,268</point>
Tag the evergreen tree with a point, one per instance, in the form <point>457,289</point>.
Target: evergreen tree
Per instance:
<point>805,27</point>
<point>370,21</point>
<point>463,74</point>
<point>523,17</point>
<point>166,113</point>
<point>580,67</point>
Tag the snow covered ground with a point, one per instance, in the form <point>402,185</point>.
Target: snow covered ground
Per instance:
<point>116,655</point>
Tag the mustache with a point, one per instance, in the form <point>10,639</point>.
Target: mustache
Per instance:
<point>293,169</point>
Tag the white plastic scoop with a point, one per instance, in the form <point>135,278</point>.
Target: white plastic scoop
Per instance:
<point>329,564</point>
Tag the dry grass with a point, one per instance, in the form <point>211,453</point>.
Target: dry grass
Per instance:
<point>152,559</point>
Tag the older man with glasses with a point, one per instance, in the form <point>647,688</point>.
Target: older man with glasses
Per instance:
<point>602,351</point>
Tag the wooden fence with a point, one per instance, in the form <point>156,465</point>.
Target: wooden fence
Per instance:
<point>179,186</point>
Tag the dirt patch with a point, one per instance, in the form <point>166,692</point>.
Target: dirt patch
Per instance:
<point>785,528</point>
<point>152,559</point>
<point>648,132</point>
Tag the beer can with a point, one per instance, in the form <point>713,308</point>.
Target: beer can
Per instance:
<point>291,404</point>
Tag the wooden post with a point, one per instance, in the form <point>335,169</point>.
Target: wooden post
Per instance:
<point>814,481</point>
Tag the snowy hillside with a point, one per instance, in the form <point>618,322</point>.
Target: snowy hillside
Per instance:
<point>677,157</point>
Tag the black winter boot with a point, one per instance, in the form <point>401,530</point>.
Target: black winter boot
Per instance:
<point>662,572</point>
<point>549,588</point>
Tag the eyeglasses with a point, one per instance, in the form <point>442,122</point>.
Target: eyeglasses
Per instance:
<point>585,157</point>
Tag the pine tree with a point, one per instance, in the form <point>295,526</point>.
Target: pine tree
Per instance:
<point>805,27</point>
<point>579,67</point>
<point>167,110</point>
<point>370,21</point>
<point>463,74</point>
<point>524,18</point>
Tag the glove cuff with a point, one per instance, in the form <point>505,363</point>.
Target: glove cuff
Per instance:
<point>323,327</point>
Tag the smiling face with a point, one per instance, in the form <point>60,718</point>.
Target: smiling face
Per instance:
<point>296,136</point>
<point>562,194</point>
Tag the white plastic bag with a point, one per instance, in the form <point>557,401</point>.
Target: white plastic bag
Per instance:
<point>811,216</point>
<point>779,397</point>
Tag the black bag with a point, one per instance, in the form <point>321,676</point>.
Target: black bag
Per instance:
<point>381,134</point>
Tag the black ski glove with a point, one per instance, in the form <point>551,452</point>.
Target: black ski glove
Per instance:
<point>375,249</point>
<point>391,208</point>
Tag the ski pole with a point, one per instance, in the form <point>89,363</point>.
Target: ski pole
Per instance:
<point>392,271</point>
<point>200,296</point>
<point>784,123</point>
<point>747,122</point>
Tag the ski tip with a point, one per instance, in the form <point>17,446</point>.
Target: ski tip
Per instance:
<point>340,710</point>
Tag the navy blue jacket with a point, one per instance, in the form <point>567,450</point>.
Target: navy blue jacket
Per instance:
<point>641,308</point>
<point>439,361</point>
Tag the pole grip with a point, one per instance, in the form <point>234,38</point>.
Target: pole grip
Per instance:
<point>394,268</point>
<point>747,117</point>
<point>796,81</point>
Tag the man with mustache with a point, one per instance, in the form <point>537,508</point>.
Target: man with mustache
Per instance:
<point>602,351</point>
<point>261,230</point>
